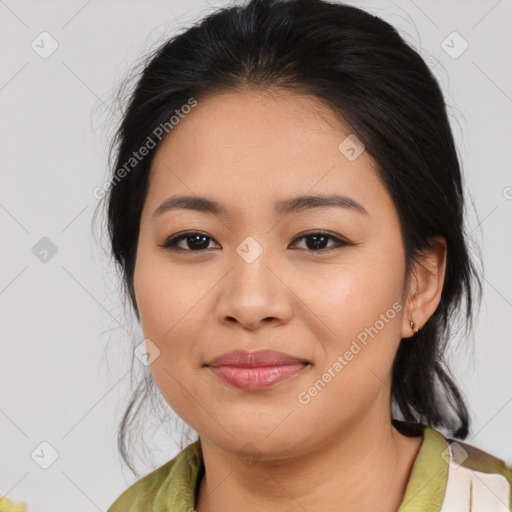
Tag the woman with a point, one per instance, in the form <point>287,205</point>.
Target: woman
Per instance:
<point>286,209</point>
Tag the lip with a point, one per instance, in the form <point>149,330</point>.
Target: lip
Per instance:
<point>253,371</point>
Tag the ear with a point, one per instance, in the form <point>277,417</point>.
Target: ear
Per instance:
<point>425,286</point>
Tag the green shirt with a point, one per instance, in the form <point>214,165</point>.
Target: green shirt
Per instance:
<point>447,476</point>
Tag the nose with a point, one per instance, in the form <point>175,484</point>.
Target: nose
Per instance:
<point>255,292</point>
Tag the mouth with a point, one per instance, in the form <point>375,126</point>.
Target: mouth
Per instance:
<point>253,371</point>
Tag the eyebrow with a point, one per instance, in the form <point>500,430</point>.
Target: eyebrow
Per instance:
<point>281,208</point>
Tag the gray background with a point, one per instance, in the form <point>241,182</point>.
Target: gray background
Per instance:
<point>65,341</point>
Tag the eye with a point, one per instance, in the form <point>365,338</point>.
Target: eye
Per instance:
<point>197,241</point>
<point>193,239</point>
<point>318,241</point>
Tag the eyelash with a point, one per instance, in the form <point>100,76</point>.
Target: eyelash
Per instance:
<point>171,243</point>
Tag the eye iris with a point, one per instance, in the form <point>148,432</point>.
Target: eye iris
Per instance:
<point>317,239</point>
<point>194,241</point>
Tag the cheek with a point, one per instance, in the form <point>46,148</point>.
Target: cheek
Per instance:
<point>357,355</point>
<point>163,317</point>
<point>169,316</point>
<point>162,294</point>
<point>347,298</point>
<point>170,319</point>
<point>357,313</point>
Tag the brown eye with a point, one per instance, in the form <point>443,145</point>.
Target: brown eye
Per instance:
<point>193,241</point>
<point>316,241</point>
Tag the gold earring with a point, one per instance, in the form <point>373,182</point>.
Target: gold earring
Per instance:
<point>413,327</point>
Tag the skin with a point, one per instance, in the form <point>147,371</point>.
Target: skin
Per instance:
<point>248,149</point>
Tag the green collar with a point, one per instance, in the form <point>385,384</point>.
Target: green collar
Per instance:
<point>427,483</point>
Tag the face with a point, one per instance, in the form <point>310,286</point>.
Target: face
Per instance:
<point>259,278</point>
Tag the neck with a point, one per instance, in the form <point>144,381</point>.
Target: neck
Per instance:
<point>366,467</point>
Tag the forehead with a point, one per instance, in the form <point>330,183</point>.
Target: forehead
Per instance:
<point>250,123</point>
<point>247,146</point>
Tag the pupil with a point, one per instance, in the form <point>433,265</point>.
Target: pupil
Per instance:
<point>195,239</point>
<point>318,239</point>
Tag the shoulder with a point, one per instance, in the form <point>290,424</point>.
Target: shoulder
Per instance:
<point>489,477</point>
<point>165,482</point>
<point>450,474</point>
<point>476,459</point>
<point>480,460</point>
<point>142,492</point>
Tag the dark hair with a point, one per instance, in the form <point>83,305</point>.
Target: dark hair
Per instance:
<point>375,83</point>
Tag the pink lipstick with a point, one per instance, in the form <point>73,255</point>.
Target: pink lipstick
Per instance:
<point>253,371</point>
